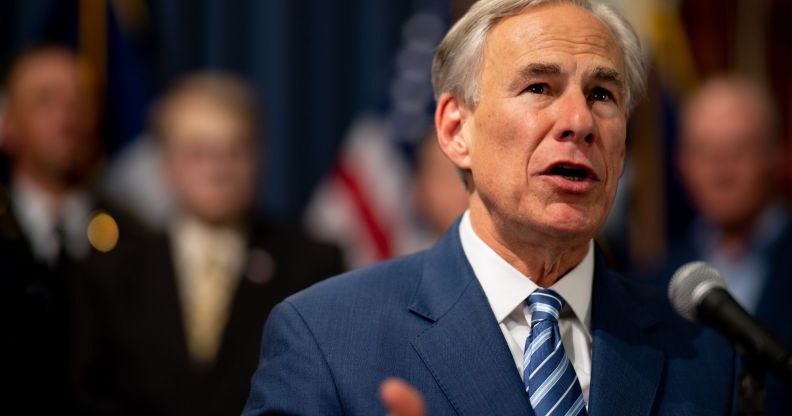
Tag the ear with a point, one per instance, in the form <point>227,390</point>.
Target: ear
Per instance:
<point>450,117</point>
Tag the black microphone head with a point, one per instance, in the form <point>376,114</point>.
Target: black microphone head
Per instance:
<point>690,283</point>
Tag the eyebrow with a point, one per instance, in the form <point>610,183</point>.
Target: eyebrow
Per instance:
<point>540,69</point>
<point>607,75</point>
<point>535,70</point>
<point>600,73</point>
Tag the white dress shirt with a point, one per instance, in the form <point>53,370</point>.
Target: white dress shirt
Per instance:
<point>195,243</point>
<point>39,214</point>
<point>507,289</point>
<point>746,272</point>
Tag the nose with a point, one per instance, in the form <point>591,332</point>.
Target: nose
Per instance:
<point>575,120</point>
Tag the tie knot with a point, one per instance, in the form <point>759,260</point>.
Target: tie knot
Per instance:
<point>544,304</point>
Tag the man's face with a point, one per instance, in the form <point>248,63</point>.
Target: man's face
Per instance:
<point>725,159</point>
<point>210,160</point>
<point>547,138</point>
<point>50,121</point>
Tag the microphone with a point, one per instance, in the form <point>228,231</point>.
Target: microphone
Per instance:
<point>698,292</point>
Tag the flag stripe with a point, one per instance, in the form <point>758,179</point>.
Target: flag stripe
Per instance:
<point>374,229</point>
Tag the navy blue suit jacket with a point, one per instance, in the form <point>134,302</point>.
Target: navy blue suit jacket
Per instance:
<point>425,319</point>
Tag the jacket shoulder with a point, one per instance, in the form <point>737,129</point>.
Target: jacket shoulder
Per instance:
<point>387,281</point>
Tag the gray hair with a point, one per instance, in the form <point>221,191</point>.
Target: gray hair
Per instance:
<point>457,62</point>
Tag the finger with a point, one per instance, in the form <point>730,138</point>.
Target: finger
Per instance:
<point>400,398</point>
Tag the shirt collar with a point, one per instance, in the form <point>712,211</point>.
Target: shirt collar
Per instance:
<point>764,232</point>
<point>35,209</point>
<point>197,241</point>
<point>507,288</point>
<point>39,213</point>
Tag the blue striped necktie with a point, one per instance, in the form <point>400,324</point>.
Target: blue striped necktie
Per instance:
<point>550,379</point>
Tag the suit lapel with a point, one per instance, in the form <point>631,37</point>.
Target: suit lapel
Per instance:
<point>167,301</point>
<point>626,367</point>
<point>466,353</point>
<point>464,349</point>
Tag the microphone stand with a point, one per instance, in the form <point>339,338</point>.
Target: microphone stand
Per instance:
<point>751,395</point>
<point>759,350</point>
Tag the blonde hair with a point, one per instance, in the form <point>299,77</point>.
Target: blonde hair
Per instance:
<point>228,92</point>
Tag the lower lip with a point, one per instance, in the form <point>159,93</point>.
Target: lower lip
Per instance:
<point>571,186</point>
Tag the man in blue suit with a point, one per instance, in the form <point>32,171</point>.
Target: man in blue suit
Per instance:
<point>513,312</point>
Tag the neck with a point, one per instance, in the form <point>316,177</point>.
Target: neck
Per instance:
<point>57,184</point>
<point>235,223</point>
<point>543,260</point>
<point>733,245</point>
<point>53,186</point>
<point>735,237</point>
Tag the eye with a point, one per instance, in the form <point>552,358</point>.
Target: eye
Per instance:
<point>600,94</point>
<point>537,88</point>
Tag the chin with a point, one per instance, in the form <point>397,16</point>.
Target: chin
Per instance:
<point>219,220</point>
<point>569,223</point>
<point>215,215</point>
<point>572,233</point>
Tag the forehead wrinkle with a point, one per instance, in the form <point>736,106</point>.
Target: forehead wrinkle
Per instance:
<point>535,35</point>
<point>593,33</point>
<point>519,41</point>
<point>597,37</point>
<point>574,45</point>
<point>544,47</point>
<point>605,66</point>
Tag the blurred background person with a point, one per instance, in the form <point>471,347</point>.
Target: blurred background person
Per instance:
<point>171,325</point>
<point>49,134</point>
<point>440,193</point>
<point>48,214</point>
<point>730,159</point>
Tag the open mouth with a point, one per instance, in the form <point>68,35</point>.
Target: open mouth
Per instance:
<point>571,172</point>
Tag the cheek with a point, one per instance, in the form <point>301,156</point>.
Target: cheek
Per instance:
<point>239,167</point>
<point>756,171</point>
<point>187,174</point>
<point>617,161</point>
<point>614,147</point>
<point>700,178</point>
<point>505,143</point>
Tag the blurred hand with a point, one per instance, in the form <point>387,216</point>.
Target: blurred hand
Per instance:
<point>401,399</point>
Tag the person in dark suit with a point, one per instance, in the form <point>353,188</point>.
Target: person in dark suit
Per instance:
<point>50,218</point>
<point>171,325</point>
<point>730,163</point>
<point>513,312</point>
